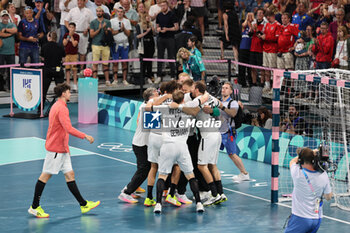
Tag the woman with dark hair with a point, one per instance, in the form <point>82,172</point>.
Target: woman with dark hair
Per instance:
<point>264,118</point>
<point>195,46</point>
<point>232,33</point>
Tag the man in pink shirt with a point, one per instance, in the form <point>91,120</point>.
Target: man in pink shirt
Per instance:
<point>58,156</point>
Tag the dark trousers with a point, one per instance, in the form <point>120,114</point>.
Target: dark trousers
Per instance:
<point>193,145</point>
<point>169,45</point>
<point>244,73</point>
<point>5,59</point>
<point>148,53</point>
<point>323,65</point>
<point>143,167</point>
<point>50,74</point>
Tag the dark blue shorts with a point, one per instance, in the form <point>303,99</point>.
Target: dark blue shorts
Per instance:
<point>300,225</point>
<point>120,52</point>
<point>229,143</point>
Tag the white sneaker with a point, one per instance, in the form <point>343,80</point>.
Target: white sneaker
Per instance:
<point>183,198</point>
<point>127,198</point>
<point>157,208</point>
<point>108,83</point>
<point>126,83</point>
<point>149,81</point>
<point>157,80</point>
<point>223,198</point>
<point>204,195</point>
<point>241,177</point>
<point>199,207</point>
<point>213,200</point>
<point>74,87</point>
<point>115,83</point>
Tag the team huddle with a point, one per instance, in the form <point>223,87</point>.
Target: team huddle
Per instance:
<point>183,154</point>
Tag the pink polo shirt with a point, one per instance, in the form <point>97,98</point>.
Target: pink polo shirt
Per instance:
<point>59,129</point>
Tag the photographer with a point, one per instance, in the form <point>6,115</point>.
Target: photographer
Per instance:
<point>310,187</point>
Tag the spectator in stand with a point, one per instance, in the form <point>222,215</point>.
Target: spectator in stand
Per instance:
<point>147,4</point>
<point>133,17</point>
<point>286,39</point>
<point>333,27</point>
<point>301,53</point>
<point>70,43</point>
<point>324,16</point>
<point>8,31</point>
<point>166,27</point>
<point>195,46</point>
<point>342,52</point>
<point>270,38</point>
<point>323,48</point>
<point>154,11</point>
<point>232,34</point>
<point>183,11</point>
<point>293,123</point>
<point>191,64</point>
<point>301,18</point>
<point>14,18</point>
<point>332,9</point>
<point>288,6</point>
<point>199,11</point>
<point>92,6</point>
<point>244,73</point>
<point>256,48</point>
<point>99,29</point>
<point>182,37</point>
<point>146,45</point>
<point>29,33</point>
<point>82,18</point>
<point>65,7</point>
<point>44,16</point>
<point>121,28</point>
<point>264,118</point>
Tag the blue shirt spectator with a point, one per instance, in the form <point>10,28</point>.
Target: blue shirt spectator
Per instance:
<point>302,20</point>
<point>246,39</point>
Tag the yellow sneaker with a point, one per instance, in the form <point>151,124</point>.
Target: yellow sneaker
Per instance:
<point>89,206</point>
<point>150,202</point>
<point>38,212</point>
<point>140,190</point>
<point>172,200</point>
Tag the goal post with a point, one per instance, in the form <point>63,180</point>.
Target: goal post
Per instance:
<point>311,108</point>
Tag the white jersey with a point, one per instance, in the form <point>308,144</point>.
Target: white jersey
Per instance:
<point>141,135</point>
<point>65,10</point>
<point>165,102</point>
<point>120,38</point>
<point>188,99</point>
<point>202,116</point>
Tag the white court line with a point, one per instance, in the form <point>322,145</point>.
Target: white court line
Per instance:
<point>231,190</point>
<point>16,138</point>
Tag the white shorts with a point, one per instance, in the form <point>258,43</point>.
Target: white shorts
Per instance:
<point>83,43</point>
<point>209,147</point>
<point>286,61</point>
<point>153,148</point>
<point>56,162</point>
<point>172,153</point>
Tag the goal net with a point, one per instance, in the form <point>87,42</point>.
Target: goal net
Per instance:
<point>314,111</point>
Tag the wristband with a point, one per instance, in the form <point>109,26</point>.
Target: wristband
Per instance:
<point>216,112</point>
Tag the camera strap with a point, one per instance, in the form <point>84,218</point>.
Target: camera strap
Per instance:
<point>308,182</point>
<point>318,200</point>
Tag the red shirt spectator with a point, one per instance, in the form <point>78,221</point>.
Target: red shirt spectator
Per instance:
<point>69,48</point>
<point>323,47</point>
<point>258,26</point>
<point>286,38</point>
<point>271,36</point>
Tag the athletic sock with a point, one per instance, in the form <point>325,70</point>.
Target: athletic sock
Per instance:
<point>219,186</point>
<point>172,189</point>
<point>75,191</point>
<point>160,188</point>
<point>194,187</point>
<point>213,189</point>
<point>39,188</point>
<point>150,192</point>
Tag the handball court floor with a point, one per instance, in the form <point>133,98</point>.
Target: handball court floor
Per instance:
<point>104,168</point>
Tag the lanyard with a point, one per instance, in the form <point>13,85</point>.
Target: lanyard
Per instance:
<point>309,183</point>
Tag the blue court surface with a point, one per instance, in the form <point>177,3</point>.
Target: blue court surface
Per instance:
<point>104,168</point>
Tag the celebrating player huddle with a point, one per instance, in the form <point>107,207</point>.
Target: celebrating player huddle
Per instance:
<point>185,145</point>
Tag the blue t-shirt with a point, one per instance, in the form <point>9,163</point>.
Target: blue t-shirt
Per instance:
<point>29,29</point>
<point>8,46</point>
<point>246,40</point>
<point>302,20</point>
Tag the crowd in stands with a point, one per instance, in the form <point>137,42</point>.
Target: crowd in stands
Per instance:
<point>285,34</point>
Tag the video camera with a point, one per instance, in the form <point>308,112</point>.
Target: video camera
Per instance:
<point>322,162</point>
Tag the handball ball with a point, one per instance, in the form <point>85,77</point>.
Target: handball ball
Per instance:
<point>87,72</point>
